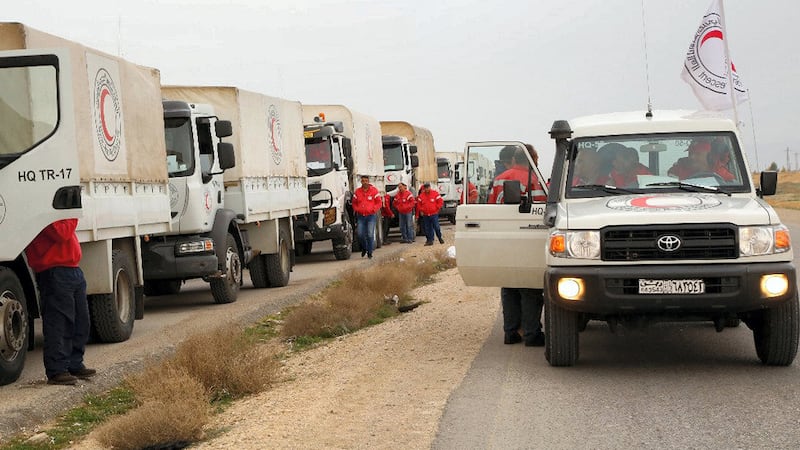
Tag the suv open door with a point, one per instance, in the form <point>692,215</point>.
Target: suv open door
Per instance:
<point>500,233</point>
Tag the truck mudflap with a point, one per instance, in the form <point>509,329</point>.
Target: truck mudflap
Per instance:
<point>708,289</point>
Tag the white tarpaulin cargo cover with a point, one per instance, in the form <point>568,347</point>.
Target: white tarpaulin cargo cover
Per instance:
<point>423,139</point>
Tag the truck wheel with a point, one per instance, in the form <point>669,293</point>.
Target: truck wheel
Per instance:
<point>776,334</point>
<point>258,272</point>
<point>280,264</point>
<point>162,287</point>
<point>112,315</point>
<point>343,247</point>
<point>561,343</point>
<point>13,327</point>
<point>226,289</point>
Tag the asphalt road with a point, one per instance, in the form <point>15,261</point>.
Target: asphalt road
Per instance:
<point>167,320</point>
<point>669,386</point>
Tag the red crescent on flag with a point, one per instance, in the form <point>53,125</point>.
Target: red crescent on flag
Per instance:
<point>103,96</point>
<point>272,129</point>
<point>711,35</point>
<point>640,202</point>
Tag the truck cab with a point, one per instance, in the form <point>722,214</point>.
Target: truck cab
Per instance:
<point>450,187</point>
<point>651,217</point>
<point>196,247</point>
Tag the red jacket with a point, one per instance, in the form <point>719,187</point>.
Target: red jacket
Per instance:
<point>429,203</point>
<point>386,210</point>
<point>55,246</point>
<point>519,173</point>
<point>367,202</point>
<point>404,201</point>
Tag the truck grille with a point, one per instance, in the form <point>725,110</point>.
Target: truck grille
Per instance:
<point>640,243</point>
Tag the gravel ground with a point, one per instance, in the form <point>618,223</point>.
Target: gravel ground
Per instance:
<point>382,387</point>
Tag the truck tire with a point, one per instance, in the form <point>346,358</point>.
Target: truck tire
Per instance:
<point>13,327</point>
<point>112,315</point>
<point>561,342</point>
<point>343,247</point>
<point>776,334</point>
<point>279,264</point>
<point>226,288</point>
<point>258,272</point>
<point>162,287</point>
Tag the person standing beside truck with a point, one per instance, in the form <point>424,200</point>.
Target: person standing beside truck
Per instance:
<point>54,255</point>
<point>430,202</point>
<point>518,170</point>
<point>404,201</point>
<point>367,201</point>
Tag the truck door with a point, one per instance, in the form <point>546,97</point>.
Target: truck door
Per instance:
<point>501,241</point>
<point>39,179</point>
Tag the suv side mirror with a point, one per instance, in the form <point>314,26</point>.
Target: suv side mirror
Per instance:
<point>769,183</point>
<point>227,158</point>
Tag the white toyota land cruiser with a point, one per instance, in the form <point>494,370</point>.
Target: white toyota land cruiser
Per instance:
<point>650,217</point>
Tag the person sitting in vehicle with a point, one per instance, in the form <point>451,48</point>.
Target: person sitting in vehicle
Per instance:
<point>588,168</point>
<point>719,160</point>
<point>695,164</point>
<point>627,168</point>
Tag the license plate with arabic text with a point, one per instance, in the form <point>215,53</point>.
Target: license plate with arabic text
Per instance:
<point>671,286</point>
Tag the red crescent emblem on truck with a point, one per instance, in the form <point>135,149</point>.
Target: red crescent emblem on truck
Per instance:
<point>103,94</point>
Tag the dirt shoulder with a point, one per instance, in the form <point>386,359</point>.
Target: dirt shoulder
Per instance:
<point>381,387</point>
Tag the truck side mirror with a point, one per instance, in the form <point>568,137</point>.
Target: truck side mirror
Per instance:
<point>769,183</point>
<point>414,161</point>
<point>412,149</point>
<point>223,128</point>
<point>227,158</point>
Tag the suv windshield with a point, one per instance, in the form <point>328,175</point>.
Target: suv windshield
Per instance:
<point>705,162</point>
<point>28,108</point>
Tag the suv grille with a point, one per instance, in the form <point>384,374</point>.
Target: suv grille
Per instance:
<point>640,243</point>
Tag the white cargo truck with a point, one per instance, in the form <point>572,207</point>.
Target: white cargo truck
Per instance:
<point>232,202</point>
<point>448,167</point>
<point>408,156</point>
<point>341,145</point>
<point>79,138</point>
<point>651,217</point>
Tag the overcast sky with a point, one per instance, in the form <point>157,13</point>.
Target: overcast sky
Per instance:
<point>465,69</point>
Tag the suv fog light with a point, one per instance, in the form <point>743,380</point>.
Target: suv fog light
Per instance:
<point>774,285</point>
<point>570,288</point>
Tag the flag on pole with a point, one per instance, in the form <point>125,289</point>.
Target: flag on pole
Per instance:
<point>707,62</point>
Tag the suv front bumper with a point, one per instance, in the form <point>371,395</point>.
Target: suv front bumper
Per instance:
<point>614,290</point>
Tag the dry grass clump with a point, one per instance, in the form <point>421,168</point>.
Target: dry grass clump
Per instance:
<point>172,410</point>
<point>362,297</point>
<point>227,362</point>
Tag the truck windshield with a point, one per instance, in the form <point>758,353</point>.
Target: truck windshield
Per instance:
<point>656,163</point>
<point>319,158</point>
<point>180,151</point>
<point>28,108</point>
<point>393,157</point>
<point>443,168</point>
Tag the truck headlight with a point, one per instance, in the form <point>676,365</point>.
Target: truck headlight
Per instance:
<point>755,241</point>
<point>575,244</point>
<point>194,247</point>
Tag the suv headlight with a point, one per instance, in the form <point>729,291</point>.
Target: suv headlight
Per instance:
<point>575,244</point>
<point>755,241</point>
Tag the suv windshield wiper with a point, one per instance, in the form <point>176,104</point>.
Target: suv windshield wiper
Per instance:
<point>692,187</point>
<point>604,188</point>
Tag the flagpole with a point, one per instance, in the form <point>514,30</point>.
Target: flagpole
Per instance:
<point>729,68</point>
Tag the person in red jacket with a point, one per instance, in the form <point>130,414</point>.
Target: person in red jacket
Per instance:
<point>429,202</point>
<point>627,168</point>
<point>367,202</point>
<point>54,255</point>
<point>519,170</point>
<point>404,202</point>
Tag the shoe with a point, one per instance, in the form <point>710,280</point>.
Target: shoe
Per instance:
<point>363,252</point>
<point>63,378</point>
<point>441,241</point>
<point>429,243</point>
<point>512,338</point>
<point>369,255</point>
<point>536,341</point>
<point>84,373</point>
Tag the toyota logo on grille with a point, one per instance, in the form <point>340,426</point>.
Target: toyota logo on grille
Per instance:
<point>668,243</point>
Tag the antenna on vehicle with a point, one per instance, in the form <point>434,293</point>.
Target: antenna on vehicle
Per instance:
<point>649,113</point>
